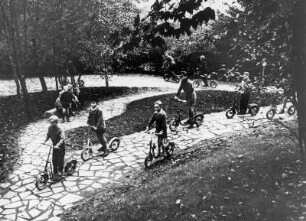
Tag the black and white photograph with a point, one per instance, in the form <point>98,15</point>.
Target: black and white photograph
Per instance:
<point>153,110</point>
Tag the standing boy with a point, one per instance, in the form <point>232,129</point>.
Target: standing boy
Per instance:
<point>191,97</point>
<point>57,136</point>
<point>97,123</point>
<point>160,119</point>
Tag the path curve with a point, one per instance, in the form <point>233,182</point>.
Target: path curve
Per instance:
<point>19,200</point>
<point>8,87</point>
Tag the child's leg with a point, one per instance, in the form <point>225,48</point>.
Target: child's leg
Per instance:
<point>285,99</point>
<point>55,161</point>
<point>61,161</point>
<point>159,143</point>
<point>101,138</point>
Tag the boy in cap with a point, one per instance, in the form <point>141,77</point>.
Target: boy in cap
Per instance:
<point>191,96</point>
<point>97,123</point>
<point>160,119</point>
<point>57,136</point>
<point>245,89</point>
<point>204,70</point>
<point>66,98</point>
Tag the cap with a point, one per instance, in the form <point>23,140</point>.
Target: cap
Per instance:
<point>158,102</point>
<point>202,57</point>
<point>53,119</point>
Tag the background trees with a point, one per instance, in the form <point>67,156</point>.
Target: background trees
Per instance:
<point>49,37</point>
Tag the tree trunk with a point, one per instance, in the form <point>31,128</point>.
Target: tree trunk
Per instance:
<point>18,91</point>
<point>298,57</point>
<point>26,98</point>
<point>56,82</point>
<point>106,81</point>
<point>43,83</point>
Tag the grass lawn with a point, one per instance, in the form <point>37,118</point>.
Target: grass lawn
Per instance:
<point>13,118</point>
<point>255,176</point>
<point>138,113</point>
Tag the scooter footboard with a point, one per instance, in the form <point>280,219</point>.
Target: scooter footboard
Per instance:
<point>253,105</point>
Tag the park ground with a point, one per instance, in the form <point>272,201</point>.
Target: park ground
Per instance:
<point>248,176</point>
<point>254,175</point>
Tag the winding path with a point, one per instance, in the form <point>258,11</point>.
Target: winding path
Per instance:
<point>20,200</point>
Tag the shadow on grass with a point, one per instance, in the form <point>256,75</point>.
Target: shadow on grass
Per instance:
<point>246,178</point>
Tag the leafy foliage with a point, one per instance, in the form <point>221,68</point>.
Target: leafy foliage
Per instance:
<point>167,19</point>
<point>258,30</point>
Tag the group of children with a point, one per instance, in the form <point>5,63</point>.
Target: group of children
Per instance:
<point>56,134</point>
<point>67,100</point>
<point>97,122</point>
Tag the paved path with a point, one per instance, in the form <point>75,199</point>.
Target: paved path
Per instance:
<point>20,200</point>
<point>8,87</point>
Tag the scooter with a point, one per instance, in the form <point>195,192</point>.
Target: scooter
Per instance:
<point>177,120</point>
<point>88,152</point>
<point>48,174</point>
<point>252,109</point>
<point>198,82</point>
<point>154,157</point>
<point>273,110</point>
<point>172,77</point>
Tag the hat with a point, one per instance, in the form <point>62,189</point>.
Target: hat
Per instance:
<point>202,57</point>
<point>159,103</point>
<point>53,119</point>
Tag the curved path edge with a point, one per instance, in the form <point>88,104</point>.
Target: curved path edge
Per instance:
<point>20,200</point>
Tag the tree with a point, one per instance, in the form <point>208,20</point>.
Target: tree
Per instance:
<point>298,60</point>
<point>166,19</point>
<point>277,29</point>
<point>14,31</point>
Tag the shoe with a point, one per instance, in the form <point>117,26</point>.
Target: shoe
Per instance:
<point>102,149</point>
<point>68,120</point>
<point>58,176</point>
<point>281,112</point>
<point>190,126</point>
<point>188,122</point>
<point>104,152</point>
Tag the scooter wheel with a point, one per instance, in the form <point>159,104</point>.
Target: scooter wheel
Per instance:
<point>213,84</point>
<point>166,78</point>
<point>196,84</point>
<point>86,154</point>
<point>173,126</point>
<point>270,114</point>
<point>114,144</point>
<point>81,83</point>
<point>169,149</point>
<point>148,162</point>
<point>230,113</point>
<point>291,110</point>
<point>41,181</point>
<point>254,110</point>
<point>199,119</point>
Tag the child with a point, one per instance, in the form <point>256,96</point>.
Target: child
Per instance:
<point>97,123</point>
<point>66,98</point>
<point>159,117</point>
<point>56,134</point>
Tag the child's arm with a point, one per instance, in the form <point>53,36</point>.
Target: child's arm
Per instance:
<point>61,141</point>
<point>47,137</point>
<point>101,121</point>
